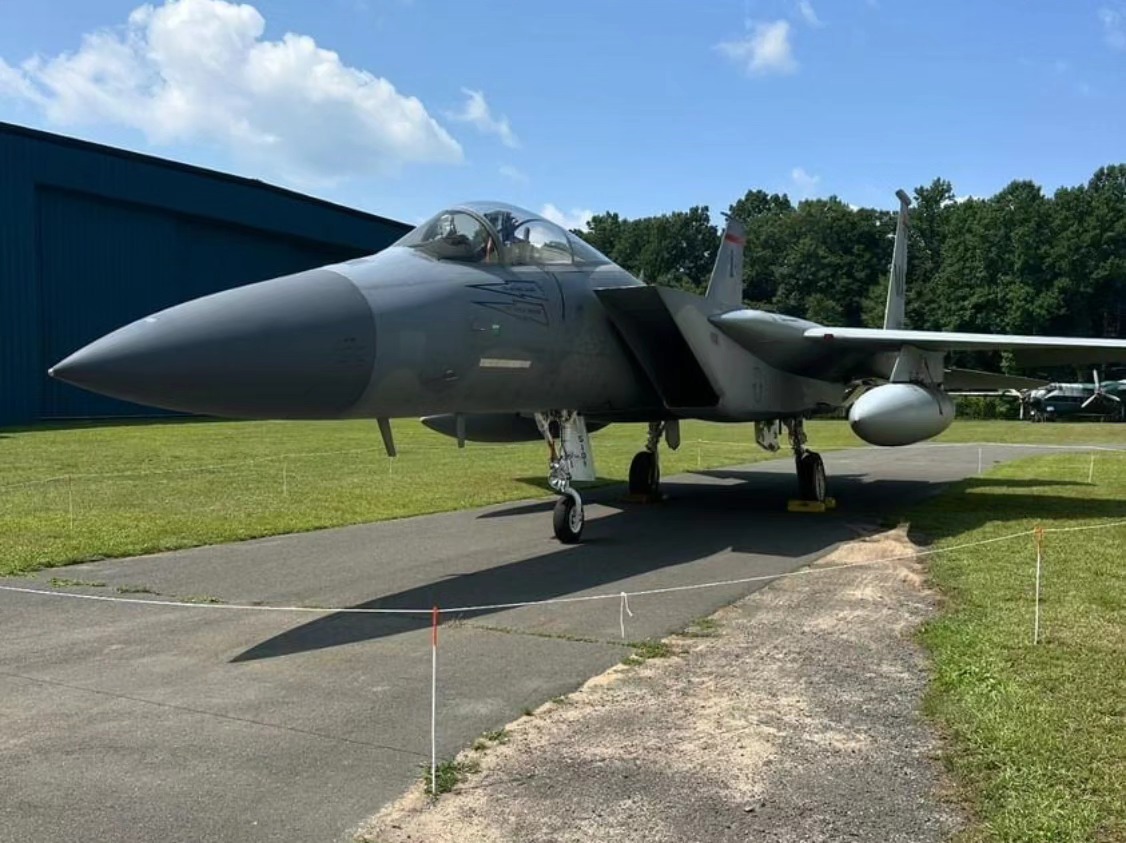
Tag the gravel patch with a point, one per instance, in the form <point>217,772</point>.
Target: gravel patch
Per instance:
<point>797,718</point>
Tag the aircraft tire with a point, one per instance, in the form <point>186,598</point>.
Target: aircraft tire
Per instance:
<point>568,519</point>
<point>812,481</point>
<point>644,474</point>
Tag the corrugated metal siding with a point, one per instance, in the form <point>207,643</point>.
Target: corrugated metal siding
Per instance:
<point>92,238</point>
<point>19,299</point>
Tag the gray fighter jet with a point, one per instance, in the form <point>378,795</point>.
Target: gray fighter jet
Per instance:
<point>497,325</point>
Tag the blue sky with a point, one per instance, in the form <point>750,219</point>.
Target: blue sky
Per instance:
<point>402,106</point>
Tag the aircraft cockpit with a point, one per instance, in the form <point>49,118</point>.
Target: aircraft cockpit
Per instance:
<point>495,233</point>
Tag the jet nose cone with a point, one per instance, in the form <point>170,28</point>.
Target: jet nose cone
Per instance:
<point>301,346</point>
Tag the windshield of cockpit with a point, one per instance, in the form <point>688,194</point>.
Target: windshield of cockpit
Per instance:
<point>499,234</point>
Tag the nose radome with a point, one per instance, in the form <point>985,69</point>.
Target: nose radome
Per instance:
<point>300,346</point>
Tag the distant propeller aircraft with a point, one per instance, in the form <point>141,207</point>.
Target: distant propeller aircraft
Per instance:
<point>497,325</point>
<point>1055,401</point>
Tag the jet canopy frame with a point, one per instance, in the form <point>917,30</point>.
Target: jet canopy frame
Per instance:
<point>500,234</point>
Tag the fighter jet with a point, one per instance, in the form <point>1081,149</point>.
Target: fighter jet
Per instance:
<point>495,324</point>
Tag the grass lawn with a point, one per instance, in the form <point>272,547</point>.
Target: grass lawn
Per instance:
<point>128,488</point>
<point>1036,734</point>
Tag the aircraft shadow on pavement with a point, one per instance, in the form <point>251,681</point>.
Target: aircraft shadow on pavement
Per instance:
<point>697,521</point>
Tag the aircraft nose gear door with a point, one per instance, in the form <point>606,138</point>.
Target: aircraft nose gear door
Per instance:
<point>572,458</point>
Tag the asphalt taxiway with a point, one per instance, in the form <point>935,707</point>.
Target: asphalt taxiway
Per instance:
<point>139,722</point>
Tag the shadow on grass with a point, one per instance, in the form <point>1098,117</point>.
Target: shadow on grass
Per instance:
<point>972,503</point>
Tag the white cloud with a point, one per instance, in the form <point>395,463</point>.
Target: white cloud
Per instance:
<point>1113,19</point>
<point>13,83</point>
<point>577,218</point>
<point>766,49</point>
<point>476,112</point>
<point>805,9</point>
<point>804,183</point>
<point>514,173</point>
<point>199,71</point>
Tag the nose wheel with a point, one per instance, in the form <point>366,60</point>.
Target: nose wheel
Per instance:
<point>569,518</point>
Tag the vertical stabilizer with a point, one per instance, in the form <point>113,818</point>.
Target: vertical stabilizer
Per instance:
<point>897,284</point>
<point>725,287</point>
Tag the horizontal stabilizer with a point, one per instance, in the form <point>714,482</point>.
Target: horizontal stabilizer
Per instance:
<point>970,380</point>
<point>1027,350</point>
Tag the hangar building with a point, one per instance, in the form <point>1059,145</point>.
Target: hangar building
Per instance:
<point>93,237</point>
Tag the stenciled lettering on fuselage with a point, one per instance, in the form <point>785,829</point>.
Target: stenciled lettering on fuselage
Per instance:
<point>521,299</point>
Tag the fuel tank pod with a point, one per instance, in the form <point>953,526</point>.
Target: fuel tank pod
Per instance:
<point>900,414</point>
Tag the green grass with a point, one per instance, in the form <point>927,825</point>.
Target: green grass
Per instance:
<point>111,490</point>
<point>1036,735</point>
<point>701,628</point>
<point>488,740</point>
<point>67,582</point>
<point>447,775</point>
<point>642,651</point>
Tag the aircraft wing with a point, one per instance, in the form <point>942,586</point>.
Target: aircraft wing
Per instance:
<point>1033,351</point>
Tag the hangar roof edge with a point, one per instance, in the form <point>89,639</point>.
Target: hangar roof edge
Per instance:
<point>154,160</point>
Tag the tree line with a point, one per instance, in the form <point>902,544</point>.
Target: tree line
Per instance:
<point>1018,262</point>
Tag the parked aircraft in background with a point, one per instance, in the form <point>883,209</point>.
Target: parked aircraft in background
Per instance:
<point>498,325</point>
<point>1055,401</point>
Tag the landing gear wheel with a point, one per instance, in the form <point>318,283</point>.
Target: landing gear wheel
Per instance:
<point>568,520</point>
<point>812,484</point>
<point>644,474</point>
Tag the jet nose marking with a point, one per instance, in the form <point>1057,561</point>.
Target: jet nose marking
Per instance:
<point>301,346</point>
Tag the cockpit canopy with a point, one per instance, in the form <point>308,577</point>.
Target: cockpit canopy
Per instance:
<point>496,233</point>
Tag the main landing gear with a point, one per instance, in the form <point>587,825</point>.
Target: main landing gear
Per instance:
<point>645,470</point>
<point>569,515</point>
<point>812,484</point>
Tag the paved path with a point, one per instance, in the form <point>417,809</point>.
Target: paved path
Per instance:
<point>140,723</point>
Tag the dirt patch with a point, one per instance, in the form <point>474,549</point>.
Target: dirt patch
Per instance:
<point>798,721</point>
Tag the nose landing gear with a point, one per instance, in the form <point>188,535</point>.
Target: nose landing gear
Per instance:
<point>569,516</point>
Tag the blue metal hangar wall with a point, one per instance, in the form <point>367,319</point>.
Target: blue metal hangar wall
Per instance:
<point>93,237</point>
